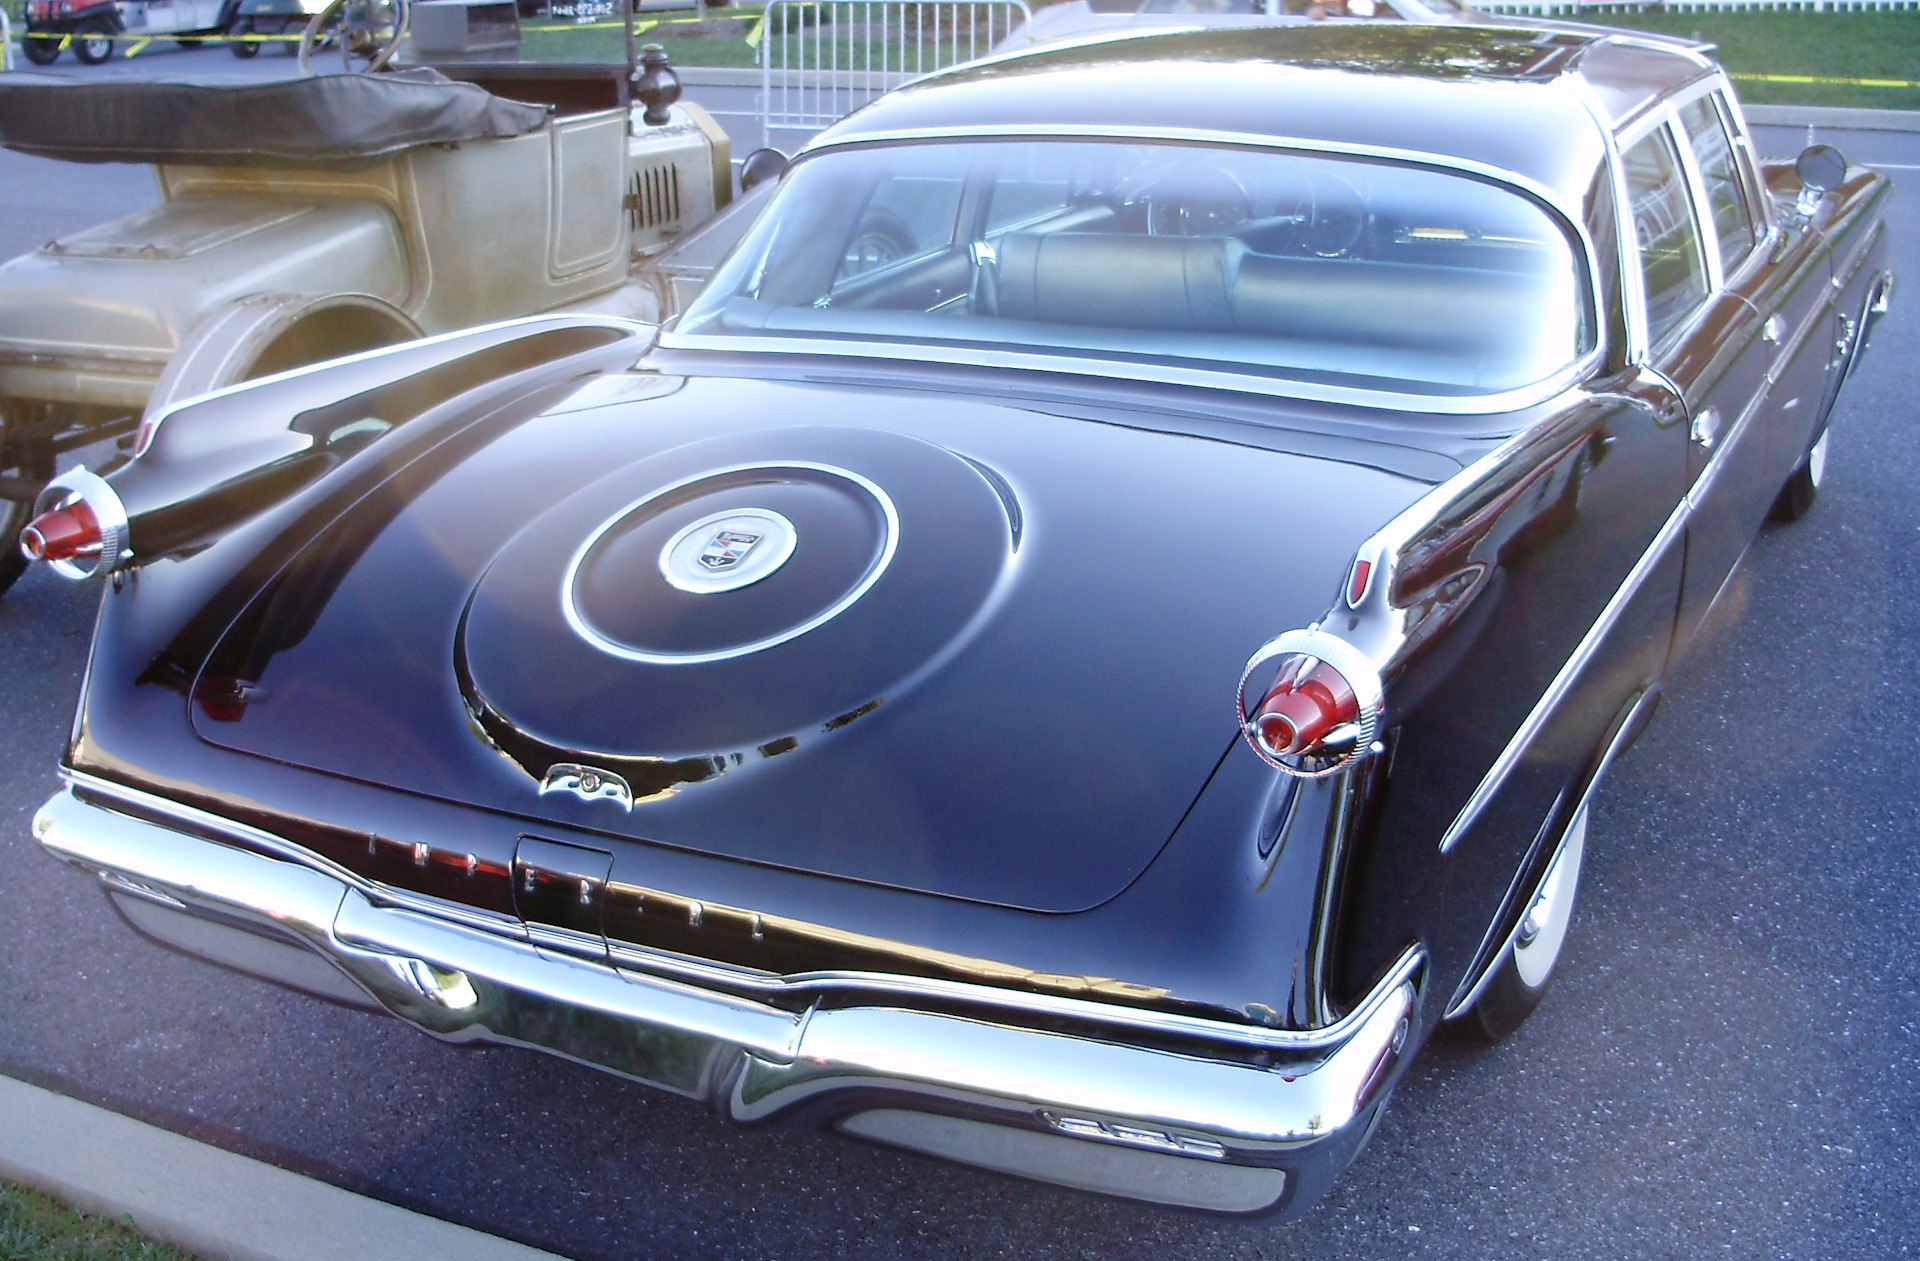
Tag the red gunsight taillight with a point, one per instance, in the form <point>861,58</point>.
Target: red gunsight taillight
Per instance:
<point>80,527</point>
<point>1308,700</point>
<point>62,533</point>
<point>1322,708</point>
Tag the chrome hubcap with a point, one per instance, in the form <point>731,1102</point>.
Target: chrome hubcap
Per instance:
<point>1543,929</point>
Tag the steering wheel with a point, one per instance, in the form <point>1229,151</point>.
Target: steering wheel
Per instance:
<point>367,29</point>
<point>1197,201</point>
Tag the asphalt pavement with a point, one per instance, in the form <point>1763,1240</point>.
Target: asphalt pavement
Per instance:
<point>1727,1064</point>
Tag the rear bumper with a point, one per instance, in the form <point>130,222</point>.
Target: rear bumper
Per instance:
<point>1242,1121</point>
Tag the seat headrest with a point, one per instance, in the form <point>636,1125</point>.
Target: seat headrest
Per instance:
<point>1112,281</point>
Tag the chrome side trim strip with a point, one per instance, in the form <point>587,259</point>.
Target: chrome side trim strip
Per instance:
<point>477,333</point>
<point>643,963</point>
<point>1843,275</point>
<point>1615,747</point>
<point>1563,682</point>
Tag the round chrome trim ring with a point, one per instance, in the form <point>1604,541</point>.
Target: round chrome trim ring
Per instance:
<point>578,623</point>
<point>99,496</point>
<point>1354,666</point>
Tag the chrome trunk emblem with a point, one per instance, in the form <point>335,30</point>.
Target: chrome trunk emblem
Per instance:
<point>727,550</point>
<point>589,783</point>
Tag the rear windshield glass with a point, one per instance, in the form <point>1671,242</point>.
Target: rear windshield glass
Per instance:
<point>1248,261</point>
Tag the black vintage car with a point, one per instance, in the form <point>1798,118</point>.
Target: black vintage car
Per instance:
<point>1090,639</point>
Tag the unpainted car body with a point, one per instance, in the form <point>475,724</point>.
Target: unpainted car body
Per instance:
<point>1091,638</point>
<point>253,263</point>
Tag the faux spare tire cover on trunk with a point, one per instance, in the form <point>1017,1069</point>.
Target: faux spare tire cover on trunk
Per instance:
<point>730,594</point>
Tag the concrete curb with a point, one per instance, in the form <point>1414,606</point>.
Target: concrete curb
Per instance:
<point>1842,117</point>
<point>211,1202</point>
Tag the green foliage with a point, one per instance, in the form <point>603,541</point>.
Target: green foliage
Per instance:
<point>607,44</point>
<point>1843,44</point>
<point>35,1228</point>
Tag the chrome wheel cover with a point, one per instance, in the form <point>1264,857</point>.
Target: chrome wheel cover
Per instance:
<point>1543,929</point>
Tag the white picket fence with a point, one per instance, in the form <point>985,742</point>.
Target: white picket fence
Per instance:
<point>1689,6</point>
<point>820,59</point>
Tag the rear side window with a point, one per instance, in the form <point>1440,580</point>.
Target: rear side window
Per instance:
<point>1713,153</point>
<point>1671,264</point>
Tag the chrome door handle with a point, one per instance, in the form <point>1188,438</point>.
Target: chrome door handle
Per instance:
<point>1774,329</point>
<point>1706,428</point>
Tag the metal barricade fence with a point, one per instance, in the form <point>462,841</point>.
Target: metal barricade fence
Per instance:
<point>820,59</point>
<point>1689,6</point>
<point>6,42</point>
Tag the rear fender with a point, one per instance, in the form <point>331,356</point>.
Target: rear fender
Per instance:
<point>97,316</point>
<point>272,332</point>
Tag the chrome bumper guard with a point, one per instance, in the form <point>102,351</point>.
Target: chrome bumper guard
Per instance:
<point>1086,1110</point>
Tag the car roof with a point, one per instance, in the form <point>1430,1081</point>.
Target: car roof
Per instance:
<point>1524,98</point>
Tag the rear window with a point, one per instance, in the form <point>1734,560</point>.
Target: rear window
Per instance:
<point>1248,261</point>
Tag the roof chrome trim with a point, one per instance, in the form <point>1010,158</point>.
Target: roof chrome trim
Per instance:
<point>656,964</point>
<point>1201,135</point>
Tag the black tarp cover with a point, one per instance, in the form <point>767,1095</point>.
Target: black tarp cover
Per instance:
<point>333,118</point>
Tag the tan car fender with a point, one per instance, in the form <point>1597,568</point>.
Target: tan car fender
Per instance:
<point>266,333</point>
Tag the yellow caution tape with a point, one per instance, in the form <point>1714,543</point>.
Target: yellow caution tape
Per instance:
<point>140,42</point>
<point>1821,78</point>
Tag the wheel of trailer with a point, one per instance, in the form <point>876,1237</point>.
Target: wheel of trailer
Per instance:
<point>1525,968</point>
<point>24,467</point>
<point>93,41</point>
<point>243,47</point>
<point>41,50</point>
<point>267,333</point>
<point>1803,484</point>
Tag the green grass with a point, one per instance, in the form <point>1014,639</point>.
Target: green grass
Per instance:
<point>608,44</point>
<point>35,1228</point>
<point>1835,45</point>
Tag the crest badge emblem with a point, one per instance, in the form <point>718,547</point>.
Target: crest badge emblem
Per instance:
<point>727,549</point>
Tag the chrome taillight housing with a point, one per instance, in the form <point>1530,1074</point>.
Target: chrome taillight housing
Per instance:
<point>1310,702</point>
<point>79,526</point>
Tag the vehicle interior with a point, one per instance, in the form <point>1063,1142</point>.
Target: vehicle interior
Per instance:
<point>1250,257</point>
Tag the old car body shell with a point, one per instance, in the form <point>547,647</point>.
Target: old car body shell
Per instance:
<point>1524,571</point>
<point>94,319</point>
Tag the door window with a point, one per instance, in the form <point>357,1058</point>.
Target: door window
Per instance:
<point>1713,153</point>
<point>1671,264</point>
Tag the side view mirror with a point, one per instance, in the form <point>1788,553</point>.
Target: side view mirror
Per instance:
<point>1821,168</point>
<point>760,166</point>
